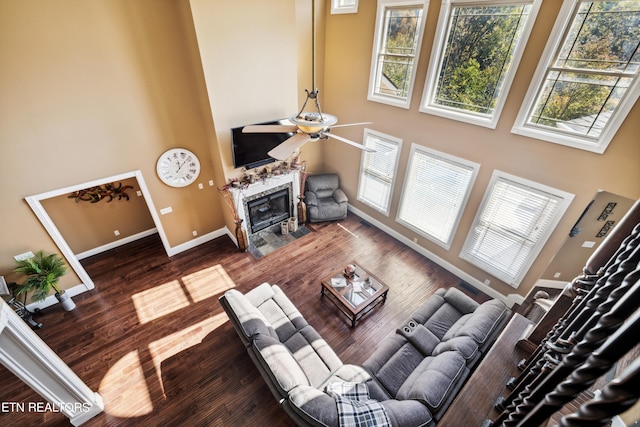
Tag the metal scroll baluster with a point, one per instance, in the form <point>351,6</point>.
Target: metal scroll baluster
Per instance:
<point>600,300</point>
<point>599,361</point>
<point>615,398</point>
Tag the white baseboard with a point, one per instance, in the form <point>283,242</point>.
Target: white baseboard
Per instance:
<point>510,299</point>
<point>115,244</point>
<point>174,250</point>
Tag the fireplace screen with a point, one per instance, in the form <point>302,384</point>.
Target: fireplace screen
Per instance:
<point>268,210</point>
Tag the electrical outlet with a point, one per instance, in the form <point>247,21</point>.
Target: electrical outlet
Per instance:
<point>557,275</point>
<point>116,232</point>
<point>487,282</point>
<point>200,185</point>
<point>210,183</point>
<point>166,210</point>
<point>195,233</point>
<point>23,256</point>
<point>415,240</point>
<point>139,193</point>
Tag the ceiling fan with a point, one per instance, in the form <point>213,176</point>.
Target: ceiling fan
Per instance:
<point>308,126</point>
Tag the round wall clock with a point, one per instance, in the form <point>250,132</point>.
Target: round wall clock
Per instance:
<point>178,167</point>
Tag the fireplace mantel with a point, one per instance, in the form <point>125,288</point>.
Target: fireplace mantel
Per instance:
<point>261,186</point>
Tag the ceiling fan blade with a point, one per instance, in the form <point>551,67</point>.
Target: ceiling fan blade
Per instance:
<point>350,142</point>
<point>284,150</point>
<point>269,129</point>
<point>352,124</point>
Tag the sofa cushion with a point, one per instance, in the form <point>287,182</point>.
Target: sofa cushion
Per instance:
<point>278,309</point>
<point>251,320</point>
<point>350,373</point>
<point>456,326</point>
<point>280,364</point>
<point>466,346</point>
<point>461,301</point>
<point>484,321</point>
<point>314,356</point>
<point>426,310</point>
<point>393,361</point>
<point>434,379</point>
<point>442,320</point>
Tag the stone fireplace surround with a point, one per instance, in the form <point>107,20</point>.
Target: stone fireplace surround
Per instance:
<point>261,188</point>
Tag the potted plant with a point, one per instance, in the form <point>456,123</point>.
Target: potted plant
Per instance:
<point>43,273</point>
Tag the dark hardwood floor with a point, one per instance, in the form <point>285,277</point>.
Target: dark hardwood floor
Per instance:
<point>153,340</point>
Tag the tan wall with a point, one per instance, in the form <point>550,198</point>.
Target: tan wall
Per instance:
<point>573,254</point>
<point>255,57</point>
<point>348,58</point>
<point>95,89</point>
<point>87,225</point>
<point>92,89</point>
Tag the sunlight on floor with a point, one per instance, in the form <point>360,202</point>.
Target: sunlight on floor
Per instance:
<point>124,388</point>
<point>159,301</point>
<point>173,344</point>
<point>343,227</point>
<point>207,283</point>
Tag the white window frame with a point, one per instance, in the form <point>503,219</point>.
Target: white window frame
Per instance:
<point>374,76</point>
<point>521,127</point>
<point>439,47</point>
<point>363,160</point>
<point>563,198</point>
<point>339,7</point>
<point>447,158</point>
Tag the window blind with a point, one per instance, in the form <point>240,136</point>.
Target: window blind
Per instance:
<point>378,171</point>
<point>435,192</point>
<point>510,227</point>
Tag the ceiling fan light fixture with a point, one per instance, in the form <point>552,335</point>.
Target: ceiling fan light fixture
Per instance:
<point>313,122</point>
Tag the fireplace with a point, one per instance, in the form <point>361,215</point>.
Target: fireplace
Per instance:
<point>243,196</point>
<point>267,209</point>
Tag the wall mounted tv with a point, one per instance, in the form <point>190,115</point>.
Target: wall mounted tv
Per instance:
<point>250,149</point>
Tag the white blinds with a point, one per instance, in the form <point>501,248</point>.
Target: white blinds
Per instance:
<point>435,191</point>
<point>512,222</point>
<point>377,171</point>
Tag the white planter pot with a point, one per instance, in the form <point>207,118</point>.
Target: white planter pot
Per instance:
<point>66,301</point>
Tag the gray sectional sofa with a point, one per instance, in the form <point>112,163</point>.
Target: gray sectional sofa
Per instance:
<point>412,376</point>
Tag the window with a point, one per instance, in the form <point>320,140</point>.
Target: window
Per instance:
<point>398,35</point>
<point>435,192</point>
<point>587,79</point>
<point>344,6</point>
<point>477,50</point>
<point>513,223</point>
<point>377,170</point>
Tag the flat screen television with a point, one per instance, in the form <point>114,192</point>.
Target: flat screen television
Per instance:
<point>250,149</point>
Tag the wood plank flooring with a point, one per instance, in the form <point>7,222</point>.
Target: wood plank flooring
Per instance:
<point>153,340</point>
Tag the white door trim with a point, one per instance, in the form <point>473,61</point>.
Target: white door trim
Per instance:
<point>39,210</point>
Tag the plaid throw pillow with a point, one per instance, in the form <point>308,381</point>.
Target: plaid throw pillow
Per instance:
<point>355,408</point>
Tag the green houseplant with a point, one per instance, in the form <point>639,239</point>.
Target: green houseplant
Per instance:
<point>43,272</point>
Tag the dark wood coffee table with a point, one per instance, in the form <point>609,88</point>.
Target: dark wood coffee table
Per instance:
<point>354,296</point>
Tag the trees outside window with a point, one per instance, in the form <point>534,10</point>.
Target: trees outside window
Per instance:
<point>398,35</point>
<point>587,80</point>
<point>478,47</point>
